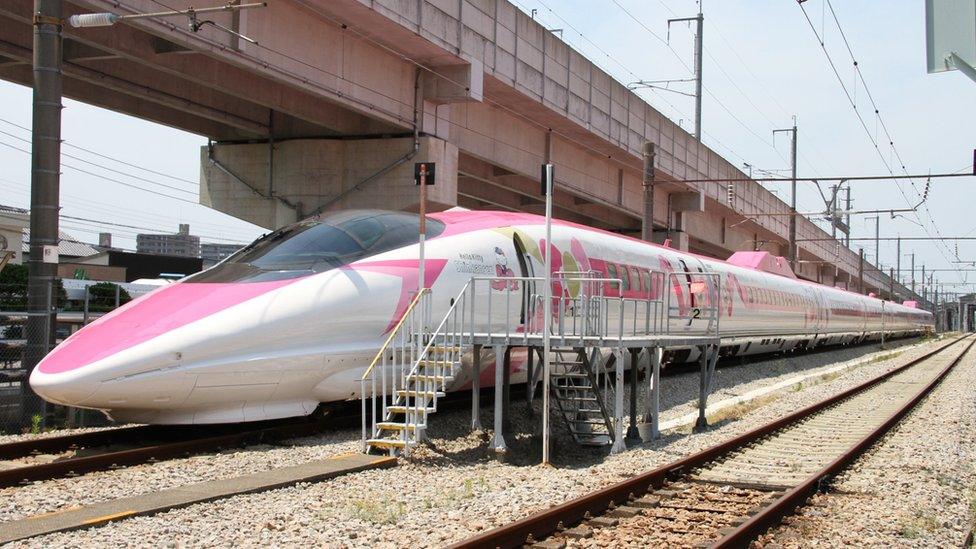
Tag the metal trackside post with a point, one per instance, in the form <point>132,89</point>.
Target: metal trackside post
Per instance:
<point>654,391</point>
<point>633,433</point>
<point>507,389</point>
<point>882,324</point>
<point>498,440</point>
<point>529,377</point>
<point>618,408</point>
<point>548,180</point>
<point>476,389</point>
<point>701,424</point>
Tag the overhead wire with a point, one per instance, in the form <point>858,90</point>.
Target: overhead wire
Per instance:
<point>867,131</point>
<point>95,164</point>
<point>107,157</point>
<point>98,208</point>
<point>683,63</point>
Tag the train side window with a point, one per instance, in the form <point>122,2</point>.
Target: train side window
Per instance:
<point>612,273</point>
<point>635,279</point>
<point>752,298</point>
<point>625,278</point>
<point>646,283</point>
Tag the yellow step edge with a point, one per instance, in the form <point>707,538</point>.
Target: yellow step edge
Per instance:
<point>385,442</point>
<point>392,426</point>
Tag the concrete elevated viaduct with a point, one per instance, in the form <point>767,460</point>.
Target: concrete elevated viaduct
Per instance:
<point>338,99</point>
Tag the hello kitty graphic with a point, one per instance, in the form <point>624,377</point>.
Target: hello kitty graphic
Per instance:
<point>502,270</point>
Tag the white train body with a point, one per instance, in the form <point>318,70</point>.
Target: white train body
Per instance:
<point>293,320</point>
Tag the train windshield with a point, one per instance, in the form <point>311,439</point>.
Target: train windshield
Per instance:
<point>318,244</point>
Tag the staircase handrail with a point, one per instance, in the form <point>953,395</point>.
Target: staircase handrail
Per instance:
<point>394,331</point>
<point>458,299</point>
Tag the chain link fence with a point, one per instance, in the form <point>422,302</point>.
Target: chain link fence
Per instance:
<point>21,410</point>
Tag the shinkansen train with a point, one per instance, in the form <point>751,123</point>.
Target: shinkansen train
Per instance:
<point>292,320</point>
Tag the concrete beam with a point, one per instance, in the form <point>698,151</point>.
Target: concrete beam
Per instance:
<point>313,175</point>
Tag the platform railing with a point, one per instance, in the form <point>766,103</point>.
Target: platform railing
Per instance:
<point>583,308</point>
<point>695,305</point>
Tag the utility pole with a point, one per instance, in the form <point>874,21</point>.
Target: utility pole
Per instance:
<point>891,284</point>
<point>847,216</point>
<point>699,19</point>
<point>877,229</point>
<point>42,267</point>
<point>898,259</point>
<point>792,248</point>
<point>860,271</point>
<point>923,285</point>
<point>913,275</point>
<point>647,225</point>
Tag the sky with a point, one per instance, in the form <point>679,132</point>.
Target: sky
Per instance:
<point>763,65</point>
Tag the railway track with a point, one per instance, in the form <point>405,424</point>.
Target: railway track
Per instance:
<point>730,494</point>
<point>72,455</point>
<point>48,458</point>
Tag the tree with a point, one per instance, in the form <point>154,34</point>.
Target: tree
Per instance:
<point>13,289</point>
<point>103,296</point>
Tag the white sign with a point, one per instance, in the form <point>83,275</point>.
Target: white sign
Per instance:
<point>950,29</point>
<point>50,254</point>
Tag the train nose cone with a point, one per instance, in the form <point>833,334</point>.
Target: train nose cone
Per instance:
<point>85,369</point>
<point>64,388</point>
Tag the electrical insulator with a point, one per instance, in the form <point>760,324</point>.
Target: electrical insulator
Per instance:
<point>731,193</point>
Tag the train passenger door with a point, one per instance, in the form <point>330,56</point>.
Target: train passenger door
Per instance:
<point>817,310</point>
<point>699,296</point>
<point>527,269</point>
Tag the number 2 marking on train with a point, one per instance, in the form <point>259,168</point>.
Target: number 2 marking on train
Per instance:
<point>696,313</point>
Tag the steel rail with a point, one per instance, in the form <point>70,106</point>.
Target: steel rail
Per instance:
<point>544,523</point>
<point>63,443</point>
<point>160,450</point>
<point>342,418</point>
<point>772,514</point>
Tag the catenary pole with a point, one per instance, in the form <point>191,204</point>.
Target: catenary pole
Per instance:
<point>792,236</point>
<point>647,225</point>
<point>45,188</point>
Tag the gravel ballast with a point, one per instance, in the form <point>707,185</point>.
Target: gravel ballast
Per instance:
<point>916,488</point>
<point>449,489</point>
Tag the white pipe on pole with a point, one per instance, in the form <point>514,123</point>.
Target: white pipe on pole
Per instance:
<point>547,180</point>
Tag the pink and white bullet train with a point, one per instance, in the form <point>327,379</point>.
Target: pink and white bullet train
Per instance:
<point>292,320</point>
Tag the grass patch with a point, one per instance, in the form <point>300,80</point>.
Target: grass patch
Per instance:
<point>377,511</point>
<point>829,376</point>
<point>919,525</point>
<point>909,531</point>
<point>738,411</point>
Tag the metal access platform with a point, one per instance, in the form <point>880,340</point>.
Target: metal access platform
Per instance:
<point>594,322</point>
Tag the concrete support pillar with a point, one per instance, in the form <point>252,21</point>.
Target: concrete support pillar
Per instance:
<point>498,440</point>
<point>314,175</point>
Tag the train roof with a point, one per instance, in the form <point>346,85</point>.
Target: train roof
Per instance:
<point>461,220</point>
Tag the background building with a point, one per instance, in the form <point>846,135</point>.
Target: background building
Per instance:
<point>13,222</point>
<point>180,244</point>
<point>138,265</point>
<point>212,253</point>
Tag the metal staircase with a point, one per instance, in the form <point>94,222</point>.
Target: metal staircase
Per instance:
<point>580,386</point>
<point>417,365</point>
<point>410,373</point>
